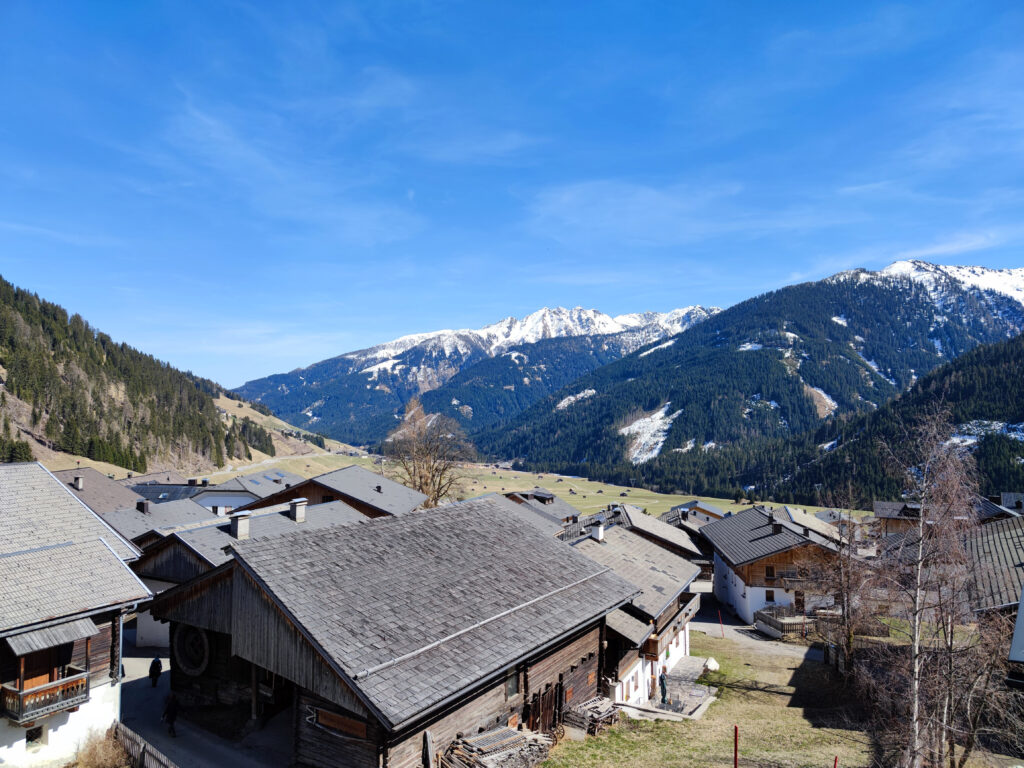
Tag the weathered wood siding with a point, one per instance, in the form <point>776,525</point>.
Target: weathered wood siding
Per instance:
<point>224,680</point>
<point>558,662</point>
<point>266,637</point>
<point>171,561</point>
<point>318,746</point>
<point>487,709</point>
<point>102,652</point>
<point>206,604</point>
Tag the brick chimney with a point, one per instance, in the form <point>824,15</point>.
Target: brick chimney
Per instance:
<point>79,482</point>
<point>240,526</point>
<point>297,510</point>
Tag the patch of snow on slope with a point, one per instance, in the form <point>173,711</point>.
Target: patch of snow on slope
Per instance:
<point>830,404</point>
<point>749,346</point>
<point>971,432</point>
<point>567,401</point>
<point>649,433</point>
<point>840,320</point>
<point>668,343</point>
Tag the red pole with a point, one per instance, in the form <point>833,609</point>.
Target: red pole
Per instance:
<point>721,623</point>
<point>736,747</point>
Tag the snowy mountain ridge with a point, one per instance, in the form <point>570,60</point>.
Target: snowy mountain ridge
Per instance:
<point>545,323</point>
<point>1007,282</point>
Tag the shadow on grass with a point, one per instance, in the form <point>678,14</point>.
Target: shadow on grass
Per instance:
<point>815,688</point>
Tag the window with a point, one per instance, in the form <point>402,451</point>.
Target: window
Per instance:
<point>769,571</point>
<point>343,724</point>
<point>35,737</point>
<point>769,595</point>
<point>512,685</point>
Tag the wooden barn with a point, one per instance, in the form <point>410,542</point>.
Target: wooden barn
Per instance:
<point>386,639</point>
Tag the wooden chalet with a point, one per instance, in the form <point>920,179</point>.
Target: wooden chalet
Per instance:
<point>372,494</point>
<point>66,589</point>
<point>388,638</point>
<point>757,553</point>
<point>652,633</point>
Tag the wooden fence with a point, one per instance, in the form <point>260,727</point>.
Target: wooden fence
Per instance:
<point>141,753</point>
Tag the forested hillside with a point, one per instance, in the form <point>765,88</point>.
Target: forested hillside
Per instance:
<point>728,394</point>
<point>85,394</point>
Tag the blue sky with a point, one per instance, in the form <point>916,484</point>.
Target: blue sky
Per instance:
<point>242,188</point>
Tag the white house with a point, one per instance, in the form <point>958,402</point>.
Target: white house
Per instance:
<point>757,554</point>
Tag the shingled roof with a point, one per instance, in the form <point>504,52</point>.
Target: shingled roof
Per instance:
<point>209,540</point>
<point>57,557</point>
<point>362,484</point>
<point>262,484</point>
<point>133,523</point>
<point>659,574</point>
<point>997,551</point>
<point>416,609</point>
<point>100,493</point>
<point>747,536</point>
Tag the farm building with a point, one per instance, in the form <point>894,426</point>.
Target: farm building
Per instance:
<point>385,639</point>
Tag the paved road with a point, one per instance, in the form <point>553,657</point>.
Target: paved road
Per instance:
<point>706,621</point>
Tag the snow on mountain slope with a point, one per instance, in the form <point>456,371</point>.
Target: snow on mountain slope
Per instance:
<point>546,323</point>
<point>1007,282</point>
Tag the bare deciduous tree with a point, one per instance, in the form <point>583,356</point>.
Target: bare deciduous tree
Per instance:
<point>428,452</point>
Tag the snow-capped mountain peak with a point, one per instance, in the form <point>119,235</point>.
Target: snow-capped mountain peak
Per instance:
<point>545,323</point>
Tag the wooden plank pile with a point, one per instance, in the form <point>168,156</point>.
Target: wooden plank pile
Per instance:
<point>499,748</point>
<point>593,715</point>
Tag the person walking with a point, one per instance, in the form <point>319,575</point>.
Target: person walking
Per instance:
<point>171,713</point>
<point>155,668</point>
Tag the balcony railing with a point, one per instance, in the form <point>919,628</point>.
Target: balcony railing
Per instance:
<point>26,706</point>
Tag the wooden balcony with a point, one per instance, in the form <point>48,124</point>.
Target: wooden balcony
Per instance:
<point>69,692</point>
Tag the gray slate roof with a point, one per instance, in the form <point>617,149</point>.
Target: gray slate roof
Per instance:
<point>997,550</point>
<point>632,629</point>
<point>37,509</point>
<point>209,540</point>
<point>421,607</point>
<point>57,558</point>
<point>658,573</point>
<point>262,484</point>
<point>394,498</point>
<point>747,536</point>
<point>633,517</point>
<point>132,523</point>
<point>166,477</point>
<point>100,493</point>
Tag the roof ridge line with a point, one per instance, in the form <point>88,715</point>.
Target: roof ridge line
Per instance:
<point>412,654</point>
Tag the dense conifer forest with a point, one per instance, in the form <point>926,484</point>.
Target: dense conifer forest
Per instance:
<point>94,397</point>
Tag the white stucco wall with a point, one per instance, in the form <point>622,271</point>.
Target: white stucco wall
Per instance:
<point>641,672</point>
<point>150,633</point>
<point>64,732</point>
